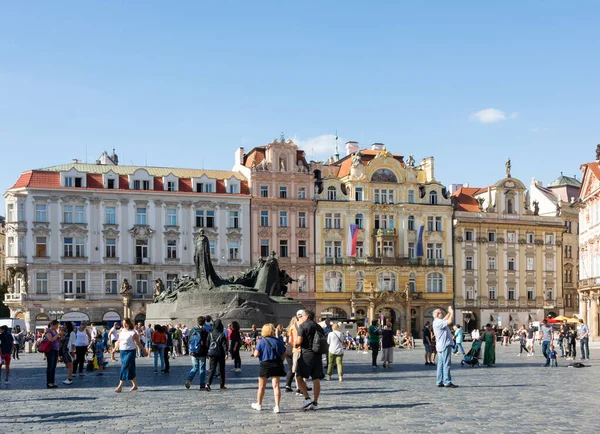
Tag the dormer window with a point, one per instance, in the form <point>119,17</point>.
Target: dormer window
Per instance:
<point>234,189</point>
<point>78,183</point>
<point>146,185</point>
<point>170,186</point>
<point>68,181</point>
<point>137,185</point>
<point>331,193</point>
<point>433,198</point>
<point>110,184</point>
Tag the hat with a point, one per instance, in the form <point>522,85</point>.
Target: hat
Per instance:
<point>300,313</point>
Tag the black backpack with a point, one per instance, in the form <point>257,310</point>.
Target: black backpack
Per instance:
<point>319,343</point>
<point>215,345</point>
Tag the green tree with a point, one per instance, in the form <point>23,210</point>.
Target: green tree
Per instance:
<point>4,310</point>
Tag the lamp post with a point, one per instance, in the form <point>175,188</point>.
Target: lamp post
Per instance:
<point>56,313</point>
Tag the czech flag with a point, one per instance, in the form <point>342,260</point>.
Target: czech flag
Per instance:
<point>351,240</point>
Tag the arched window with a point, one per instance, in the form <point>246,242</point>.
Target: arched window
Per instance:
<point>331,193</point>
<point>509,206</point>
<point>302,283</point>
<point>360,281</point>
<point>384,175</point>
<point>435,282</point>
<point>412,282</point>
<point>386,281</point>
<point>333,281</point>
<point>335,312</point>
<point>433,198</point>
<point>411,222</point>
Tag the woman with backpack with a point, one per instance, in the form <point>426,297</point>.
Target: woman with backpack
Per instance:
<point>271,353</point>
<point>217,354</point>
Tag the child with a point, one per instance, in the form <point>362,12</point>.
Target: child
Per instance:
<point>552,353</point>
<point>98,348</point>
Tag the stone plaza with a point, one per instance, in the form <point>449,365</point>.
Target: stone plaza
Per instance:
<point>518,395</point>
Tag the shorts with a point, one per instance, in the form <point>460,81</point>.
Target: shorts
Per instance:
<point>100,360</point>
<point>529,342</point>
<point>6,360</point>
<point>148,343</point>
<point>427,347</point>
<point>310,365</point>
<point>271,368</point>
<point>114,343</point>
<point>295,357</point>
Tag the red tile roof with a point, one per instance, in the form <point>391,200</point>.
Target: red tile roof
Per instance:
<point>94,180</point>
<point>367,155</point>
<point>255,156</point>
<point>220,186</point>
<point>23,180</point>
<point>465,199</point>
<point>158,184</point>
<point>123,182</point>
<point>185,185</point>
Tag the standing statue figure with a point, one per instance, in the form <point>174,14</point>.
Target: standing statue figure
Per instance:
<point>598,152</point>
<point>558,209</point>
<point>508,166</point>
<point>206,274</point>
<point>410,161</point>
<point>159,287</point>
<point>536,207</point>
<point>125,288</point>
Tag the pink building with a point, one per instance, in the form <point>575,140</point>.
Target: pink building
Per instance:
<point>282,211</point>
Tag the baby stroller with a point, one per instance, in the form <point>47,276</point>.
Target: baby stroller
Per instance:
<point>471,358</point>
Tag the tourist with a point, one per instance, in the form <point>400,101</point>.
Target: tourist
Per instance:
<point>292,353</point>
<point>387,346</point>
<point>270,351</point>
<point>583,332</point>
<point>562,338</point>
<point>374,341</point>
<point>458,339</point>
<point>7,343</point>
<point>505,336</point>
<point>168,350</point>
<point>82,341</point>
<point>198,348</point>
<point>235,344</point>
<point>126,344</point>
<point>546,337</point>
<point>217,354</point>
<point>93,332</point>
<point>427,343</point>
<point>254,336</point>
<point>148,332</point>
<point>335,356</point>
<point>177,340</point>
<point>489,354</point>
<point>114,336</point>
<point>105,339</point>
<point>523,340</point>
<point>310,365</point>
<point>17,335</point>
<point>185,333</point>
<point>444,344</point>
<point>97,349</point>
<point>53,336</point>
<point>433,348</point>
<point>475,334</point>
<point>530,340</point>
<point>572,343</point>
<point>159,342</point>
<point>208,325</point>
<point>68,350</point>
<point>553,355</point>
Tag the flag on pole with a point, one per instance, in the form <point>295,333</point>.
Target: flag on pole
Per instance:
<point>351,240</point>
<point>420,242</point>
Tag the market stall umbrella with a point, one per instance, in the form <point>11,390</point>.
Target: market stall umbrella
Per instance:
<point>561,318</point>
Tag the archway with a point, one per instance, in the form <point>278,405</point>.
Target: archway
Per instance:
<point>140,317</point>
<point>387,315</point>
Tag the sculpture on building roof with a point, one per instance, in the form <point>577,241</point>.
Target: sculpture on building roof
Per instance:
<point>598,152</point>
<point>558,209</point>
<point>410,161</point>
<point>536,207</point>
<point>383,153</point>
<point>357,159</point>
<point>508,166</point>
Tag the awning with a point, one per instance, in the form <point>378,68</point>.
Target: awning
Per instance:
<point>532,317</point>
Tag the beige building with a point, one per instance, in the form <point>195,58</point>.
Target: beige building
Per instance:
<point>2,251</point>
<point>400,267</point>
<point>508,258</point>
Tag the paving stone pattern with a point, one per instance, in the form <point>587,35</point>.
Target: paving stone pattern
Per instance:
<point>518,395</point>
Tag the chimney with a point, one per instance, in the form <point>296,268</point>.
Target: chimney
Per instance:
<point>351,147</point>
<point>377,147</point>
<point>239,156</point>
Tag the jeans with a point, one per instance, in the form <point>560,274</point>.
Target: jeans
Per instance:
<point>523,347</point>
<point>458,346</point>
<point>80,353</point>
<point>198,363</point>
<point>166,352</point>
<point>546,351</point>
<point>51,361</point>
<point>443,366</point>
<point>585,348</point>
<point>213,369</point>
<point>16,348</point>
<point>159,352</point>
<point>374,352</point>
<point>562,348</point>
<point>573,349</point>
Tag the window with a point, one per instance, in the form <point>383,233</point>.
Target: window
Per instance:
<point>80,247</point>
<point>360,250</point>
<point>430,225</point>
<point>264,248</point>
<point>208,188</point>
<point>172,249</point>
<point>40,213</point>
<point>438,224</point>
<point>412,253</point>
<point>68,283</point>
<point>205,219</point>
<point>530,293</point>
<point>469,235</point>
<point>140,216</point>
<point>171,186</point>
<point>234,219</point>
<point>530,237</point>
<point>68,247</point>
<point>170,280</point>
<point>264,217</point>
<point>376,196</point>
<point>492,292</point>
<point>411,223</point>
<point>210,219</point>
<point>234,189</point>
<point>331,193</point>
<point>40,247</point>
<point>141,252</point>
<point>302,219</point>
<point>433,198</point>
<point>264,191</point>
<point>41,283</point>
<point>549,294</point>
<point>171,217</point>
<point>302,193</point>
<point>234,250</point>
<point>387,281</point>
<point>302,253</point>
<point>146,185</point>
<point>21,212</point>
<point>10,251</point>
<point>492,236</point>
<point>10,212</point>
<point>136,185</point>
<point>469,293</point>
<point>283,219</point>
<point>511,292</point>
<point>68,214</point>
<point>511,264</point>
<point>328,249</point>
<point>111,248</point>
<point>469,262</point>
<point>412,282</point>
<point>80,283</point>
<point>283,192</point>
<point>429,250</point>
<point>568,227</point>
<point>491,262</point>
<point>549,264</point>
<point>435,282</point>
<point>511,237</point>
<point>111,283</point>
<point>78,182</point>
<point>549,239</point>
<point>68,181</point>
<point>283,248</point>
<point>358,194</point>
<point>358,220</point>
<point>360,281</point>
<point>79,214</point>
<point>199,218</point>
<point>212,247</point>
<point>337,221</point>
<point>411,196</point>
<point>439,251</point>
<point>110,214</point>
<point>302,283</point>
<point>328,221</point>
<point>337,249</point>
<point>333,281</point>
<point>530,264</point>
<point>141,283</point>
<point>110,184</point>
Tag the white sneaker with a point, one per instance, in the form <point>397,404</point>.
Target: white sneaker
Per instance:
<point>276,409</point>
<point>314,406</point>
<point>307,404</point>
<point>256,406</point>
<point>238,370</point>
<point>341,379</point>
<point>519,355</point>
<point>68,382</point>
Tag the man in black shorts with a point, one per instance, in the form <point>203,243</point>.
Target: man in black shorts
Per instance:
<point>309,363</point>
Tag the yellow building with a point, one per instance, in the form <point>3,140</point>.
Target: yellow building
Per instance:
<point>402,266</point>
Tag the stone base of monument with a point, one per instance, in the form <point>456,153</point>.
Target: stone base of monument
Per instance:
<point>244,306</point>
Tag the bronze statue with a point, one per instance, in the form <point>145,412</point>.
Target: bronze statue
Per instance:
<point>125,288</point>
<point>536,207</point>
<point>508,166</point>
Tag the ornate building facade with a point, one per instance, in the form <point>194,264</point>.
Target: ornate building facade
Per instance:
<point>508,257</point>
<point>589,245</point>
<point>283,208</point>
<point>399,266</point>
<point>2,251</point>
<point>75,232</point>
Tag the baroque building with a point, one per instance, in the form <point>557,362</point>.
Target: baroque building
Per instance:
<point>383,239</point>
<point>508,257</point>
<point>2,251</point>
<point>75,232</point>
<point>282,187</point>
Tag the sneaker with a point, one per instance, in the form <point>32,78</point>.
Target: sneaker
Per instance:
<point>6,382</point>
<point>307,404</point>
<point>256,406</point>
<point>276,409</point>
<point>451,386</point>
<point>315,406</point>
<point>288,389</point>
<point>519,355</point>
<point>68,382</point>
<point>238,370</point>
<point>155,371</point>
<point>188,383</point>
<point>81,374</point>
<point>99,374</point>
<point>329,378</point>
<point>341,379</point>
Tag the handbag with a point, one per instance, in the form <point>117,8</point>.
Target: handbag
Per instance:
<point>44,346</point>
<point>278,360</point>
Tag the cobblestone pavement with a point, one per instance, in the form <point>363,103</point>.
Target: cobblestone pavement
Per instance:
<point>518,395</point>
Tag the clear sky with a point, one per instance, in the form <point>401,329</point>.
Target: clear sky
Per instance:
<point>186,83</point>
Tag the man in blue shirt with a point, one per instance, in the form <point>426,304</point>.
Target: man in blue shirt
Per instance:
<point>443,345</point>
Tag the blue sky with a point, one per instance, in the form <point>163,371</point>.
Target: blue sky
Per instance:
<point>186,83</point>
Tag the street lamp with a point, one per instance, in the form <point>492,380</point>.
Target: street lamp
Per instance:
<point>56,313</point>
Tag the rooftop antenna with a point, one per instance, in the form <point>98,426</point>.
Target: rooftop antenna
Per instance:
<point>85,154</point>
<point>337,152</point>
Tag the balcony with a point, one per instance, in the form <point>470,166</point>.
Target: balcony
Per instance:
<point>338,261</point>
<point>13,298</point>
<point>142,261</point>
<point>384,232</point>
<point>75,296</point>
